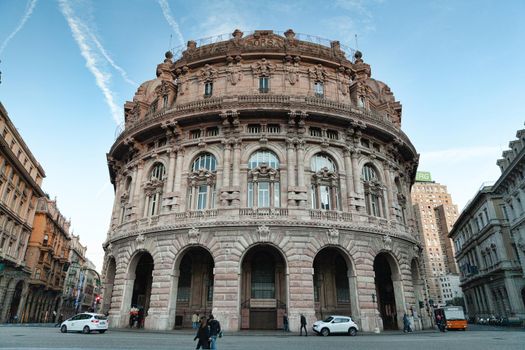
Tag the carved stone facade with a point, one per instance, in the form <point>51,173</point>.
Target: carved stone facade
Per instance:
<point>488,239</point>
<point>20,179</point>
<point>262,151</point>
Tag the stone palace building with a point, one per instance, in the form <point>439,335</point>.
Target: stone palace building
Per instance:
<point>259,175</point>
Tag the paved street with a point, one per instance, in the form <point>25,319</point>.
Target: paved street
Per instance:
<point>51,338</point>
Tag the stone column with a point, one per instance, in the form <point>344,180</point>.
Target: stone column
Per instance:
<point>355,172</point>
<point>136,191</point>
<point>349,174</point>
<point>226,162</point>
<point>290,169</point>
<point>171,171</point>
<point>22,303</point>
<point>300,170</point>
<point>389,207</point>
<point>226,290</point>
<point>301,295</point>
<point>514,295</point>
<point>7,303</point>
<point>3,289</point>
<point>178,176</point>
<point>236,164</point>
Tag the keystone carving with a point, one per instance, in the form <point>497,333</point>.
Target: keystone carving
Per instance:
<point>264,233</point>
<point>194,234</point>
<point>387,242</point>
<point>263,68</point>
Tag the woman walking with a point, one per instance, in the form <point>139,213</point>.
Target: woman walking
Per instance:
<point>203,334</point>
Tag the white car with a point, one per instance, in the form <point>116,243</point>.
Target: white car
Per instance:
<point>336,324</point>
<point>85,323</point>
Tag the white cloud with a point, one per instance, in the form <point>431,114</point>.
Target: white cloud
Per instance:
<point>29,11</point>
<point>223,17</point>
<point>458,155</point>
<point>167,14</point>
<point>81,34</point>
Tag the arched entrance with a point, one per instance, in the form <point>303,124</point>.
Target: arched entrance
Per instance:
<point>263,288</point>
<point>195,286</point>
<point>15,302</point>
<point>388,290</point>
<point>140,298</point>
<point>109,282</point>
<point>334,284</point>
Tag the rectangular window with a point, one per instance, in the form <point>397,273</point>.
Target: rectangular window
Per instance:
<point>316,132</point>
<point>273,128</point>
<point>263,195</point>
<point>165,101</point>
<point>361,101</point>
<point>319,89</point>
<point>264,84</point>
<point>374,203</point>
<point>254,128</point>
<point>332,134</point>
<point>154,204</point>
<point>250,194</point>
<point>153,106</point>
<point>201,197</point>
<point>212,131</point>
<point>324,192</point>
<point>195,134</point>
<point>208,89</point>
<point>276,195</point>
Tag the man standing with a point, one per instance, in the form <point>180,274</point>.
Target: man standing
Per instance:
<point>215,330</point>
<point>285,323</point>
<point>195,321</point>
<point>303,325</point>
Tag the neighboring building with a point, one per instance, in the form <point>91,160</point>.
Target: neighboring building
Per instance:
<point>489,238</point>
<point>436,215</point>
<point>90,286</point>
<point>450,288</point>
<point>261,175</point>
<point>47,257</point>
<point>73,285</point>
<point>20,180</point>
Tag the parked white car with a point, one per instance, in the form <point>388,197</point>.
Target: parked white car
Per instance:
<point>86,323</point>
<point>336,324</point>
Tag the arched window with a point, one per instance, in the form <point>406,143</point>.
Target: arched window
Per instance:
<point>373,191</point>
<point>153,188</point>
<point>201,188</point>
<point>124,199</point>
<point>401,200</point>
<point>264,189</point>
<point>325,183</point>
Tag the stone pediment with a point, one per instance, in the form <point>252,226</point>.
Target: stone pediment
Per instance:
<point>264,39</point>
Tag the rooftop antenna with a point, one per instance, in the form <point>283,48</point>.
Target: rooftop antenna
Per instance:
<point>356,46</point>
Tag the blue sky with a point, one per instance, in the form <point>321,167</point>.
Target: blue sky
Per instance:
<point>69,66</point>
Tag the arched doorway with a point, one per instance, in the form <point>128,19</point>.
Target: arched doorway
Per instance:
<point>140,298</point>
<point>388,290</point>
<point>195,286</point>
<point>15,302</point>
<point>108,284</point>
<point>334,284</point>
<point>263,288</point>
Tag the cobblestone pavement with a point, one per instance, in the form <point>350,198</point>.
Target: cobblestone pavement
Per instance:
<point>51,338</point>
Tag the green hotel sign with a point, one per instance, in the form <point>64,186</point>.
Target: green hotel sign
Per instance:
<point>423,176</point>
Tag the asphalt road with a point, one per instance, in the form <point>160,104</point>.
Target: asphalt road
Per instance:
<point>51,338</point>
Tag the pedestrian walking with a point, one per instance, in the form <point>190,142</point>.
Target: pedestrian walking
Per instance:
<point>215,331</point>
<point>203,334</point>
<point>195,321</point>
<point>60,320</point>
<point>286,327</point>
<point>440,323</point>
<point>303,325</point>
<point>406,324</point>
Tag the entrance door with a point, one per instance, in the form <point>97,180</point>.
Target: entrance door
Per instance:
<point>263,319</point>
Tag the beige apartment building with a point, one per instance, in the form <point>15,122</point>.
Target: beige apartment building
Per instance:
<point>20,180</point>
<point>436,214</point>
<point>263,174</point>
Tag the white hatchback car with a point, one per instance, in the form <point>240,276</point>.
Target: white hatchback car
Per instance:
<point>336,324</point>
<point>85,323</point>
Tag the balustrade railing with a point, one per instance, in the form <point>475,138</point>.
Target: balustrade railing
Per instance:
<point>263,212</point>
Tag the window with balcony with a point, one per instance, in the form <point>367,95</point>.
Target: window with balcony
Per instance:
<point>253,128</point>
<point>208,89</point>
<point>324,182</point>
<point>213,131</point>
<point>374,190</point>
<point>195,134</point>
<point>263,180</point>
<point>201,182</point>
<point>154,189</point>
<point>319,89</point>
<point>273,128</point>
<point>264,84</point>
<point>332,134</point>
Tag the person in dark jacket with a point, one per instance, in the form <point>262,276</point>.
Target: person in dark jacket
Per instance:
<point>303,325</point>
<point>215,331</point>
<point>203,334</point>
<point>286,328</point>
<point>406,324</point>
